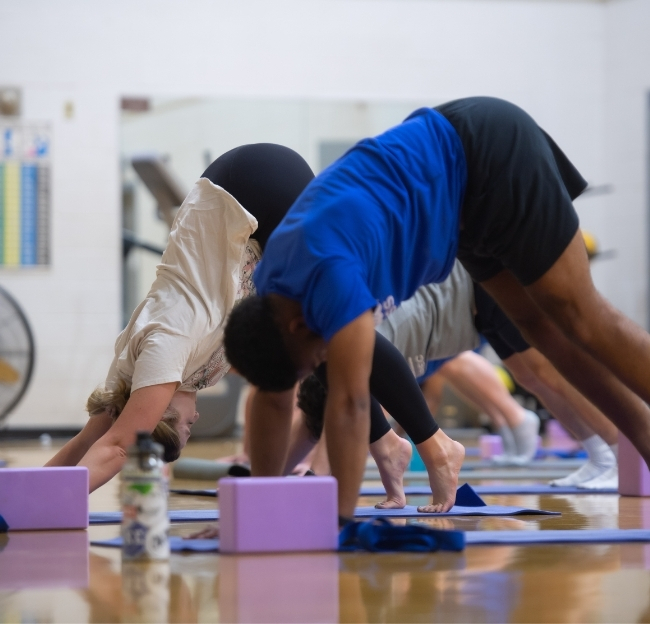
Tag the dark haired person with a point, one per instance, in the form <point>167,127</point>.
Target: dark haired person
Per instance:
<point>474,178</point>
<point>446,316</point>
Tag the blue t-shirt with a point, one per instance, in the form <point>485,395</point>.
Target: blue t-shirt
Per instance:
<point>373,227</point>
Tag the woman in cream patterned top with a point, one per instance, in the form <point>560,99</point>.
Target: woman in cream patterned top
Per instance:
<point>173,344</point>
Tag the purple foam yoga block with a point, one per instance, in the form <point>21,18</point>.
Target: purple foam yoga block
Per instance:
<point>278,514</point>
<point>44,560</point>
<point>633,474</point>
<point>490,445</point>
<point>44,498</point>
<point>279,588</point>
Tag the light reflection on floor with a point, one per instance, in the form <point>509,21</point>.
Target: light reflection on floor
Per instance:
<point>56,577</point>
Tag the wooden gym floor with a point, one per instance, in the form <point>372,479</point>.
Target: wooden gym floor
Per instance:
<point>552,583</point>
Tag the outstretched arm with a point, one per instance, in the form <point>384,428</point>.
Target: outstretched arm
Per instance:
<point>142,412</point>
<point>347,411</point>
<point>269,428</point>
<point>73,451</point>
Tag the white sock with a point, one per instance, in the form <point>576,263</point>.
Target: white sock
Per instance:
<point>525,435</point>
<point>607,480</point>
<point>509,445</point>
<point>601,459</point>
<point>599,452</point>
<point>614,449</point>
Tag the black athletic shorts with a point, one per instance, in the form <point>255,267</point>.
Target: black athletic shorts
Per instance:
<point>500,332</point>
<point>517,212</point>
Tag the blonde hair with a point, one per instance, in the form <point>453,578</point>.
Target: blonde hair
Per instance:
<point>112,402</point>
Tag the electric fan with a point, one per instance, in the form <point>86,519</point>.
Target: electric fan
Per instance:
<point>16,353</point>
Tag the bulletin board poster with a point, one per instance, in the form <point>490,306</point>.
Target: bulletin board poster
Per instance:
<point>24,194</point>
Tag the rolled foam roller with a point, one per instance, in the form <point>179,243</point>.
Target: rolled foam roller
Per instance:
<point>192,468</point>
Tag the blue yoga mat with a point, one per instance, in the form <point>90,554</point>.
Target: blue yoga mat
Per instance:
<point>410,511</point>
<point>468,503</point>
<point>534,464</point>
<point>425,490</point>
<point>176,515</point>
<point>472,538</point>
<point>530,488</point>
<point>589,536</point>
<point>474,451</point>
<point>176,544</point>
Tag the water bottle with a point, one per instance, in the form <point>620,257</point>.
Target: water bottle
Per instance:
<point>145,524</point>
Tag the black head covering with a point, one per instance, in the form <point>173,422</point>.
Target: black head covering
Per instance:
<point>265,179</point>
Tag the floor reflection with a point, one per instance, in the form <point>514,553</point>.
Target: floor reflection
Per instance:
<point>43,559</point>
<point>279,588</point>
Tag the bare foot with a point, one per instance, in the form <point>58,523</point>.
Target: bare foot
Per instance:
<point>443,458</point>
<point>392,455</point>
<point>300,470</point>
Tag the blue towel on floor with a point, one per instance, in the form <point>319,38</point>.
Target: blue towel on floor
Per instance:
<point>380,535</point>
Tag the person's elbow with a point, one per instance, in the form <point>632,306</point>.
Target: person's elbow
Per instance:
<point>351,404</point>
<point>113,447</point>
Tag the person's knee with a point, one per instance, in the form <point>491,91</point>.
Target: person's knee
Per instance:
<point>537,374</point>
<point>523,375</point>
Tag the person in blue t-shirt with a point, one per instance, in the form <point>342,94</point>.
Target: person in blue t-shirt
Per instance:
<point>477,179</point>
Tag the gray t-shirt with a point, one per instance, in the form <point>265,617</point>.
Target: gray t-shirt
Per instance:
<point>437,322</point>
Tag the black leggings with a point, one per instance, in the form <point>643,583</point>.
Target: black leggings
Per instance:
<point>393,386</point>
<point>265,179</point>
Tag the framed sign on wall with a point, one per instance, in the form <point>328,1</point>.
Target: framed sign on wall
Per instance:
<point>24,194</point>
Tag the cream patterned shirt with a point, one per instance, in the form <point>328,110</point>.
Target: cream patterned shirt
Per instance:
<point>176,333</point>
<point>218,366</point>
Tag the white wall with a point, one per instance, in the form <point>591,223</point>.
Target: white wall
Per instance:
<point>547,56</point>
<point>627,158</point>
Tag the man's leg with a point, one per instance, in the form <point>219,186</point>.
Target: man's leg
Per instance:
<point>535,373</point>
<point>583,419</point>
<point>567,294</point>
<point>594,380</point>
<point>432,388</point>
<point>473,378</point>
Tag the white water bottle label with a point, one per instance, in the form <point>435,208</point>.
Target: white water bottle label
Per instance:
<point>145,524</point>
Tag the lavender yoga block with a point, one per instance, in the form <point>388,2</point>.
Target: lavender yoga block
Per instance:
<point>278,514</point>
<point>44,498</point>
<point>490,445</point>
<point>633,474</point>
